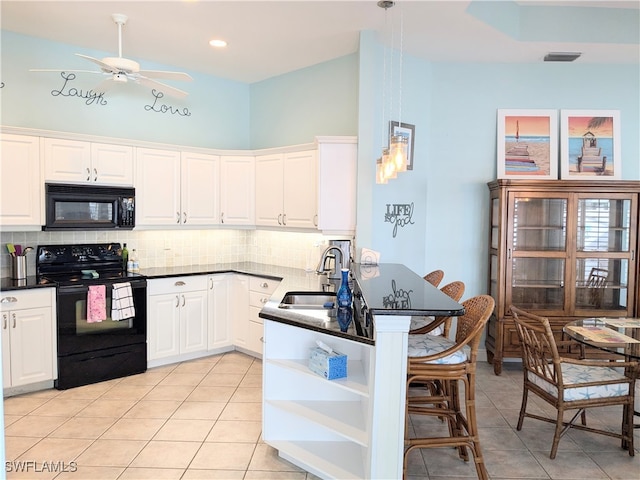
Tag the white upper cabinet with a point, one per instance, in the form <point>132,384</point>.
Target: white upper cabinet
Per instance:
<point>73,161</point>
<point>20,186</point>
<point>200,200</point>
<point>286,190</point>
<point>176,189</point>
<point>157,187</point>
<point>337,178</point>
<point>237,190</point>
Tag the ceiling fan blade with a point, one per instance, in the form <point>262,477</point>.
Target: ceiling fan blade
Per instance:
<point>58,70</point>
<point>175,92</point>
<point>105,66</point>
<point>185,77</point>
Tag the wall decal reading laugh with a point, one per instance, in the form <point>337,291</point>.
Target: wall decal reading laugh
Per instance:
<point>89,96</point>
<point>400,214</point>
<point>162,108</point>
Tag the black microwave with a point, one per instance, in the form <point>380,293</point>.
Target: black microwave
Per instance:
<point>89,207</point>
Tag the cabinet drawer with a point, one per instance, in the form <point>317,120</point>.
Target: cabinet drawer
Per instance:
<point>18,300</point>
<point>254,314</point>
<point>265,285</point>
<point>177,284</point>
<point>258,299</point>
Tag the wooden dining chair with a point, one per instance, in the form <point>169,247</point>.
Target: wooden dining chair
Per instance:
<point>571,384</point>
<point>448,363</point>
<point>438,325</point>
<point>435,277</point>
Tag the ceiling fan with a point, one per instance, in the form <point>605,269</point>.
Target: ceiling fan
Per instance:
<point>121,70</point>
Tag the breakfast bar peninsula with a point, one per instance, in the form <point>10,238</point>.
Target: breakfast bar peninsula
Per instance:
<point>351,427</point>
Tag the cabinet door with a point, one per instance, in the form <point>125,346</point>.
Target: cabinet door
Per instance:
<point>31,346</point>
<point>269,190</point>
<point>604,275</point>
<point>237,190</point>
<point>67,161</point>
<point>6,350</point>
<point>537,249</point>
<point>20,185</point>
<point>200,193</point>
<point>220,327</point>
<point>193,322</point>
<point>111,164</point>
<point>157,187</point>
<point>300,191</point>
<point>337,160</point>
<point>239,309</point>
<point>163,325</point>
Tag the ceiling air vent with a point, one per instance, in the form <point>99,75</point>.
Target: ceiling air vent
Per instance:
<point>561,56</point>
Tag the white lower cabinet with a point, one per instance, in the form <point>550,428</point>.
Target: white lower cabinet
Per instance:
<point>28,336</point>
<point>220,336</point>
<point>260,290</point>
<point>239,310</point>
<point>177,318</point>
<point>320,425</point>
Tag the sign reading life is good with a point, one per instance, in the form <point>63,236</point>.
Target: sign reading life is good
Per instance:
<point>400,214</point>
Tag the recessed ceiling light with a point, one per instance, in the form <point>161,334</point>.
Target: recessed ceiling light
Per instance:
<point>218,43</point>
<point>561,56</point>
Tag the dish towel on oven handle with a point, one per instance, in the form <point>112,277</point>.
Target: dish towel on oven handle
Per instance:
<point>122,302</point>
<point>96,304</point>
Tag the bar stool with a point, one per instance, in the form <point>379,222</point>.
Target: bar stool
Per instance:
<point>439,325</point>
<point>436,359</point>
<point>435,277</point>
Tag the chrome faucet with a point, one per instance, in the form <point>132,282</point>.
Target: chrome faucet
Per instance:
<point>337,265</point>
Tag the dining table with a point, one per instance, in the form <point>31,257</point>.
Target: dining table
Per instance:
<point>620,336</point>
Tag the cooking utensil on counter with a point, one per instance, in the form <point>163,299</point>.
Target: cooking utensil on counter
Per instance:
<point>11,249</point>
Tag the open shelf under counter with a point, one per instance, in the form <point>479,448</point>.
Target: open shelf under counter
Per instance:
<point>343,460</point>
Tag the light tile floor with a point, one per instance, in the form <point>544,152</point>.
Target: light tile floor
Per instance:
<point>202,420</point>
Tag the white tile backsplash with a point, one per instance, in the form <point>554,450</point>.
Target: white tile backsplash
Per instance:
<point>168,248</point>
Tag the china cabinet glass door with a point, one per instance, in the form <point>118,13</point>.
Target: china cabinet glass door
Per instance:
<point>605,243</point>
<point>537,251</point>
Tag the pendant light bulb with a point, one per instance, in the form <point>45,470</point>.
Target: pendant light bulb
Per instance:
<point>380,178</point>
<point>389,165</point>
<point>398,149</point>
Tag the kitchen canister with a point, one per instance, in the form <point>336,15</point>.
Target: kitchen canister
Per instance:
<point>19,267</point>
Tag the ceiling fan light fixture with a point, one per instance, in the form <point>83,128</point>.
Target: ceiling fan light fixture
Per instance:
<point>562,56</point>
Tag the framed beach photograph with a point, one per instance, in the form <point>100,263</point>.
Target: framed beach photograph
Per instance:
<point>590,145</point>
<point>527,144</point>
<point>406,130</point>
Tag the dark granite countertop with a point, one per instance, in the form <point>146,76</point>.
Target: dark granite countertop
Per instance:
<point>7,284</point>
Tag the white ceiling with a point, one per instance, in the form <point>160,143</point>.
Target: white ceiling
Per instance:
<point>269,38</point>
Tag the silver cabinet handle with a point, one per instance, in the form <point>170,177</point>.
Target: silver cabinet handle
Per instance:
<point>222,217</point>
<point>315,220</point>
<point>284,219</point>
<point>13,315</point>
<point>177,301</point>
<point>177,217</point>
<point>184,216</point>
<point>8,300</point>
<point>88,174</point>
<point>264,285</point>
<point>183,300</point>
<point>95,172</point>
<point>211,284</point>
<point>264,300</point>
<point>4,321</point>
<point>279,219</point>
<point>179,283</point>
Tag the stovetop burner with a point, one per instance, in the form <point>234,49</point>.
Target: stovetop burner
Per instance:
<point>76,264</point>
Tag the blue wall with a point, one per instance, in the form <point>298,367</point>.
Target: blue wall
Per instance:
<point>453,108</point>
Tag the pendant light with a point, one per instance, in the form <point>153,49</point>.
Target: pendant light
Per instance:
<point>394,157</point>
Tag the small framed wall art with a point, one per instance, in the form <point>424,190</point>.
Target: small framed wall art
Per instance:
<point>406,130</point>
<point>590,144</point>
<point>527,144</point>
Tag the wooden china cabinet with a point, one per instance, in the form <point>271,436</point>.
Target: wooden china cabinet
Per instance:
<point>563,249</point>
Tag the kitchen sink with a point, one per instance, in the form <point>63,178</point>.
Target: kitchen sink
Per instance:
<point>308,300</point>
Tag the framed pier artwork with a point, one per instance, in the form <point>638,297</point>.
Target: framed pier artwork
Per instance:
<point>527,144</point>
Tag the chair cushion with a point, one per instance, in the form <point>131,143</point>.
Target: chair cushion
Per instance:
<point>419,322</point>
<point>421,345</point>
<point>576,374</point>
